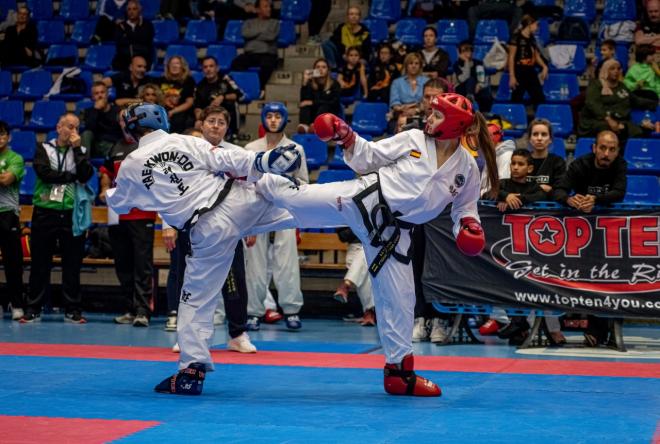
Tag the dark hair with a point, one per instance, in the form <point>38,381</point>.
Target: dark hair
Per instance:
<point>609,43</point>
<point>522,152</point>
<point>215,110</point>
<point>478,132</point>
<point>431,28</point>
<point>642,52</point>
<point>439,83</point>
<point>465,43</point>
<point>210,57</point>
<point>535,122</point>
<point>527,20</point>
<point>353,48</point>
<point>4,128</point>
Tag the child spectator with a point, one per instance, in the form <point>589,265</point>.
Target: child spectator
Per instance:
<point>607,51</point>
<point>524,55</point>
<point>352,75</point>
<point>517,191</point>
<point>470,77</point>
<point>382,74</point>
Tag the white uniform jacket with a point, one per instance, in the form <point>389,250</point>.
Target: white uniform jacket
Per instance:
<point>260,145</point>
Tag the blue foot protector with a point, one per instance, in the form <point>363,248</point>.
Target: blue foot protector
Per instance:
<point>188,381</point>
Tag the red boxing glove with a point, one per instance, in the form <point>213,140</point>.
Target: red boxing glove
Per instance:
<point>471,239</point>
<point>330,127</point>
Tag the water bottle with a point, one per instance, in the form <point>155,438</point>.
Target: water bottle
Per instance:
<point>481,74</point>
<point>563,90</point>
<point>648,118</point>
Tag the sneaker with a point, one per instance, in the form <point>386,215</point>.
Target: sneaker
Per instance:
<point>170,325</point>
<point>489,328</point>
<point>420,330</point>
<point>252,324</point>
<point>341,293</point>
<point>241,344</point>
<point>439,330</point>
<point>368,318</point>
<point>272,316</point>
<point>126,318</point>
<point>176,348</point>
<point>16,314</point>
<point>29,318</point>
<point>141,321</point>
<point>293,322</point>
<point>218,318</point>
<point>75,317</point>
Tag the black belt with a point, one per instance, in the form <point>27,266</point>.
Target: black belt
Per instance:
<point>218,200</point>
<point>376,228</point>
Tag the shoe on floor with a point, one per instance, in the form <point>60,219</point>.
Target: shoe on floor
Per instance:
<point>16,314</point>
<point>170,324</point>
<point>272,316</point>
<point>75,317</point>
<point>420,330</point>
<point>29,318</point>
<point>368,318</point>
<point>218,318</point>
<point>141,321</point>
<point>293,322</point>
<point>489,328</point>
<point>253,324</point>
<point>439,330</point>
<point>341,293</point>
<point>176,348</point>
<point>241,344</point>
<point>126,318</point>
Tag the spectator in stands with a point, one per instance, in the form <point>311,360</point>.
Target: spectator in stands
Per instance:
<point>285,266</point>
<point>132,237</point>
<point>352,77</point>
<point>20,44</point>
<point>381,75</point>
<point>503,151</point>
<point>133,36</point>
<point>406,91</point>
<point>150,93</point>
<point>648,28</point>
<point>436,59</point>
<point>319,94</point>
<point>351,33</point>
<point>317,17</point>
<point>217,89</point>
<point>60,164</point>
<point>222,11</point>
<point>470,77</point>
<point>494,9</point>
<point>102,128</point>
<point>178,88</point>
<point>608,105</point>
<point>643,77</point>
<point>517,190</point>
<point>127,83</point>
<point>548,168</point>
<point>356,277</point>
<point>430,10</point>
<point>110,13</point>
<point>524,56</point>
<point>607,52</point>
<point>260,48</point>
<point>12,170</point>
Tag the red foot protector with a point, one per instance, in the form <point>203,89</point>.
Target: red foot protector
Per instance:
<point>35,429</point>
<point>400,379</point>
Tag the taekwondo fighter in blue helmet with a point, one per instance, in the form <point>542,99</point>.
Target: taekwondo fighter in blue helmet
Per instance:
<point>189,182</point>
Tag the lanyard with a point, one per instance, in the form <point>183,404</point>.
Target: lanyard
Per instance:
<point>61,159</point>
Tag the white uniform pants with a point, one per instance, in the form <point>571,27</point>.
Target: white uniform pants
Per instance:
<point>286,273</point>
<point>213,240</point>
<point>358,274</point>
<point>331,205</point>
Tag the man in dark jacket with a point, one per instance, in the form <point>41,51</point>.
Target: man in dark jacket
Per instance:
<point>102,129</point>
<point>134,37</point>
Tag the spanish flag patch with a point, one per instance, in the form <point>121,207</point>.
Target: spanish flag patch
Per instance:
<point>416,154</point>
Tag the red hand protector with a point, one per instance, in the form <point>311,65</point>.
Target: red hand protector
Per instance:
<point>471,239</point>
<point>330,127</point>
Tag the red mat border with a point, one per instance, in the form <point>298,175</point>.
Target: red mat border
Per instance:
<point>340,360</point>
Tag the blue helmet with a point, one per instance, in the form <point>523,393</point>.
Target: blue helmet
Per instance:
<point>146,115</point>
<point>274,107</point>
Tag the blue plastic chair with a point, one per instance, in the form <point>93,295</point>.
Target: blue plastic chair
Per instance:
<point>200,32</point>
<point>296,11</point>
<point>642,189</point>
<point>45,115</point>
<point>61,56</point>
<point>34,84</point>
<point>70,97</point>
<point>150,8</point>
<point>72,10</point>
<point>248,81</point>
<point>637,115</point>
<point>543,32</point>
<point>452,32</point>
<point>26,188</point>
<point>409,31</point>
<point>503,93</point>
<point>197,76</point>
<point>83,104</point>
<point>378,30</point>
<point>558,147</point>
<point>6,5</point>
<point>515,114</point>
<point>369,118</point>
<point>643,156</point>
<point>489,30</point>
<point>328,176</point>
<point>585,9</point>
<point>24,143</point>
<point>11,112</point>
<point>188,52</point>
<point>561,88</point>
<point>82,33</point>
<point>316,150</point>
<point>224,54</point>
<point>559,115</point>
<point>99,57</point>
<point>584,146</point>
<point>50,32</point>
<point>452,50</point>
<point>617,10</point>
<point>287,35</point>
<point>40,9</point>
<point>233,34</point>
<point>578,65</point>
<point>388,10</point>
<point>165,32</point>
<point>337,160</point>
<point>6,86</point>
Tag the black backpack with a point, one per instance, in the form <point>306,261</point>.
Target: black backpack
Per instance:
<point>573,28</point>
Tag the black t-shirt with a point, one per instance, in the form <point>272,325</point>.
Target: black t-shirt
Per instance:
<point>123,85</point>
<point>548,171</point>
<point>351,77</point>
<point>176,92</point>
<point>526,49</point>
<point>206,92</point>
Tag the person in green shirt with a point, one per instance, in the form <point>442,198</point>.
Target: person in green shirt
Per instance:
<point>12,170</point>
<point>645,74</point>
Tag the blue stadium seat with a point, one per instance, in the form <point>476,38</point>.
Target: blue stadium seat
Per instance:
<point>369,118</point>
<point>637,116</point>
<point>224,54</point>
<point>197,76</point>
<point>188,52</point>
<point>337,160</point>
<point>11,112</point>
<point>200,32</point>
<point>558,147</point>
<point>489,30</point>
<point>233,34</point>
<point>515,114</point>
<point>165,32</point>
<point>316,150</point>
<point>99,57</point>
<point>40,9</point>
<point>24,143</point>
<point>150,8</point>
<point>388,10</point>
<point>45,115</point>
<point>452,32</point>
<point>561,87</point>
<point>585,9</point>
<point>617,10</point>
<point>378,30</point>
<point>26,188</point>
<point>503,93</point>
<point>61,56</point>
<point>559,115</point>
<point>82,33</point>
<point>296,11</point>
<point>72,10</point>
<point>583,146</point>
<point>642,189</point>
<point>543,32</point>
<point>287,35</point>
<point>6,86</point>
<point>248,81</point>
<point>409,31</point>
<point>452,50</point>
<point>643,156</point>
<point>50,32</point>
<point>578,65</point>
<point>83,105</point>
<point>70,97</point>
<point>327,176</point>
<point>34,84</point>
<point>5,6</point>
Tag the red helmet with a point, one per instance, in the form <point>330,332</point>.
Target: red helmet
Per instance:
<point>496,132</point>
<point>457,116</point>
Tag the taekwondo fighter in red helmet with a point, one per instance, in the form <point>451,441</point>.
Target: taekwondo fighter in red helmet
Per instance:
<point>406,179</point>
